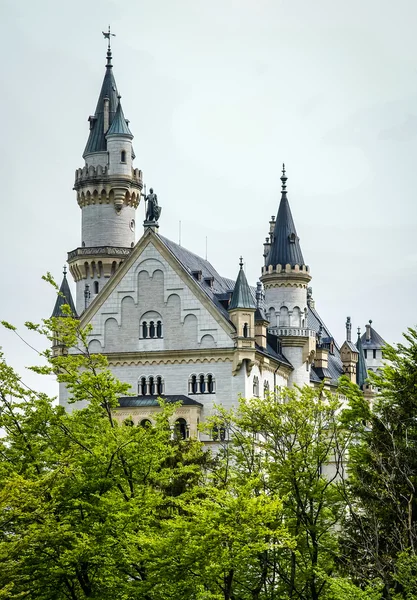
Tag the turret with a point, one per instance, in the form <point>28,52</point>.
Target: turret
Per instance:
<point>108,193</point>
<point>261,321</point>
<point>285,278</point>
<point>242,310</point>
<point>349,353</point>
<point>64,297</point>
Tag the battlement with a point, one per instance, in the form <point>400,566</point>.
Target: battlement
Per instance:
<point>285,269</point>
<point>90,175</point>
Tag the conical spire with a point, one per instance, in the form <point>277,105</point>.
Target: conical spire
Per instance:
<point>64,297</point>
<point>119,124</point>
<point>242,295</point>
<point>108,94</point>
<point>285,245</point>
<point>361,370</point>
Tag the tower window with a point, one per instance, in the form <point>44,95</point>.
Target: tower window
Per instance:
<point>123,156</point>
<point>365,353</point>
<point>373,353</point>
<point>245,330</point>
<point>96,287</point>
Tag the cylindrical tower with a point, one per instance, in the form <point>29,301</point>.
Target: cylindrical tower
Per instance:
<point>108,193</point>
<point>285,278</point>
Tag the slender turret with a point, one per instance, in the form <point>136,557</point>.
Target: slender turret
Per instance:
<point>285,278</point>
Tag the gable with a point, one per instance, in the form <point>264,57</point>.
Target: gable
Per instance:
<point>152,303</point>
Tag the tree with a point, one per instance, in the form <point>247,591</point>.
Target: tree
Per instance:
<point>380,530</point>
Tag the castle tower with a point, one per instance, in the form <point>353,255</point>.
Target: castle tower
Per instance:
<point>349,354</point>
<point>108,193</point>
<point>285,278</point>
<point>242,310</point>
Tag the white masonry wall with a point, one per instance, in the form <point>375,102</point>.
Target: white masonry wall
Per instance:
<point>102,225</point>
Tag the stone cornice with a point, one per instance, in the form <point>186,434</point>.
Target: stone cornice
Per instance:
<point>170,357</point>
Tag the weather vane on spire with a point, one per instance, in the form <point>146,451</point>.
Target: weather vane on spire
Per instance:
<point>107,36</point>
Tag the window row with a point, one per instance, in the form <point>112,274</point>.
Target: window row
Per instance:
<point>153,329</point>
<point>373,353</point>
<point>181,429</point>
<point>202,384</point>
<point>255,388</point>
<point>151,386</point>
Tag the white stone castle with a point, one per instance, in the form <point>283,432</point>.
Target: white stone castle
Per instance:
<point>168,323</point>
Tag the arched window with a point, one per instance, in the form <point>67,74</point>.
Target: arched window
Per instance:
<point>151,386</point>
<point>159,386</point>
<point>193,384</point>
<point>266,389</point>
<point>142,387</point>
<point>255,386</point>
<point>123,156</point>
<point>154,323</point>
<point>151,329</point>
<point>284,318</point>
<point>202,385</point>
<point>145,423</point>
<point>144,329</point>
<point>245,330</point>
<point>159,329</point>
<point>96,287</point>
<point>181,429</point>
<point>210,384</point>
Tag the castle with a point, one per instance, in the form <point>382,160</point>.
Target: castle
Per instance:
<point>168,323</point>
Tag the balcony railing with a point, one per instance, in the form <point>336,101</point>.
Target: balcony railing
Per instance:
<point>99,251</point>
<point>292,331</point>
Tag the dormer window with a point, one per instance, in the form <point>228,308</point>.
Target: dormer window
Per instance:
<point>292,237</point>
<point>123,156</point>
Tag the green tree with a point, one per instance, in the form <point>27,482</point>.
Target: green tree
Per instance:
<point>380,531</point>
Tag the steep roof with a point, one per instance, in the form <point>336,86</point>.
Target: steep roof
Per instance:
<point>242,296</point>
<point>119,124</point>
<point>335,366</point>
<point>376,342</point>
<point>96,140</point>
<point>285,245</point>
<point>64,297</point>
<point>361,371</point>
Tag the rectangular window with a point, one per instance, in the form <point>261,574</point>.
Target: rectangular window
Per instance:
<point>374,353</point>
<point>365,353</point>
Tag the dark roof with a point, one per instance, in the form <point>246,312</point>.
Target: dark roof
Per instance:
<point>119,124</point>
<point>361,371</point>
<point>260,314</point>
<point>64,297</point>
<point>335,366</point>
<point>242,295</point>
<point>128,401</point>
<point>220,288</point>
<point>350,345</point>
<point>96,140</point>
<point>285,245</point>
<point>375,343</point>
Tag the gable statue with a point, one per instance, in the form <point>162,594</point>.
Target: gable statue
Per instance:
<point>153,211</point>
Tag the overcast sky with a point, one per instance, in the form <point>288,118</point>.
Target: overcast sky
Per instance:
<point>219,93</point>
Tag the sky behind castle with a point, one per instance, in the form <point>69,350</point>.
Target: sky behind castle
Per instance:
<point>218,95</point>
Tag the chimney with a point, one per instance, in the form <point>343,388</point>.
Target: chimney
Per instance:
<point>368,331</point>
<point>106,123</point>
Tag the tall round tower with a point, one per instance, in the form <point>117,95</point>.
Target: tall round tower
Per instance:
<point>108,193</point>
<point>285,278</point>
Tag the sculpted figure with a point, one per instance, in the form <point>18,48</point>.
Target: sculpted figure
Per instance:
<point>153,211</point>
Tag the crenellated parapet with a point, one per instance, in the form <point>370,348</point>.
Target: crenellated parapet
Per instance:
<point>285,276</point>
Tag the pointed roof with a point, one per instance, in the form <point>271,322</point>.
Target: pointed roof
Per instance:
<point>376,342</point>
<point>242,295</point>
<point>119,124</point>
<point>285,245</point>
<point>361,370</point>
<point>97,140</point>
<point>64,297</point>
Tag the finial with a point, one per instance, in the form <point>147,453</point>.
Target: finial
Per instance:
<point>107,35</point>
<point>359,331</point>
<point>284,180</point>
<point>241,262</point>
<point>370,321</point>
<point>64,270</point>
<point>348,329</point>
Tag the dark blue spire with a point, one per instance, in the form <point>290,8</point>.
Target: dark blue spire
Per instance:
<point>361,370</point>
<point>119,124</point>
<point>64,297</point>
<point>242,295</point>
<point>285,245</point>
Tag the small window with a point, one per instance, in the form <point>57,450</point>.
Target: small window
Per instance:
<point>96,287</point>
<point>123,156</point>
<point>128,422</point>
<point>159,329</point>
<point>365,353</point>
<point>144,329</point>
<point>193,384</point>
<point>373,353</point>
<point>245,330</point>
<point>152,329</point>
<point>142,387</point>
<point>151,386</point>
<point>181,429</point>
<point>159,386</point>
<point>202,385</point>
<point>210,384</point>
<point>145,423</point>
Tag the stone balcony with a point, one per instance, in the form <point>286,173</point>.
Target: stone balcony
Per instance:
<point>287,331</point>
<point>104,251</point>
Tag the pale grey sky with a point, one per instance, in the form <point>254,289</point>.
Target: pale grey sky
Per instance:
<point>219,93</point>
